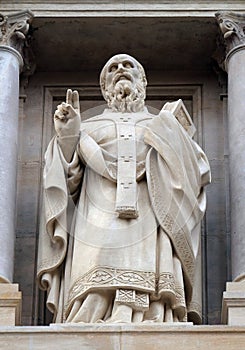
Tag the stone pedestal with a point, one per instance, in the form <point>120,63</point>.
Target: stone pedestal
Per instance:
<point>12,38</point>
<point>10,304</point>
<point>232,26</point>
<point>123,337</point>
<point>233,306</point>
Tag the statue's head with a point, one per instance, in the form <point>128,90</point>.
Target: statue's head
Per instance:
<point>123,84</point>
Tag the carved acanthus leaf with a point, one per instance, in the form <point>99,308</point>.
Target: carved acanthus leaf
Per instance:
<point>232,26</point>
<point>14,28</point>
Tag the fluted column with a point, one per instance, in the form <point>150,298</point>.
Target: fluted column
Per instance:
<point>13,30</point>
<point>232,26</point>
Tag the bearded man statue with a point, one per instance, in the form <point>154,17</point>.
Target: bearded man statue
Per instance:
<point>123,198</point>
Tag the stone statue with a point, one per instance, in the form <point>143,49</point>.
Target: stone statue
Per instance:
<point>123,197</point>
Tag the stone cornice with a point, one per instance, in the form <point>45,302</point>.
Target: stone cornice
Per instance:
<point>232,26</point>
<point>126,8</point>
<point>14,29</point>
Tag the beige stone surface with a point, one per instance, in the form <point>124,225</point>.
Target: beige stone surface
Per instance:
<point>233,306</point>
<point>10,304</point>
<point>123,9</point>
<point>180,112</point>
<point>123,337</point>
<point>122,265</point>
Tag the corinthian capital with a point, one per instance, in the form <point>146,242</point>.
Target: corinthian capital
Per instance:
<point>232,26</point>
<point>14,28</point>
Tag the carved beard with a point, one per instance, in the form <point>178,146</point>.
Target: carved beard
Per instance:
<point>126,97</point>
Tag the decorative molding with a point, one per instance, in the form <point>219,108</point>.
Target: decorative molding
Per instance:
<point>232,26</point>
<point>108,277</point>
<point>108,336</point>
<point>15,33</point>
<point>117,8</point>
<point>14,29</point>
<point>137,300</point>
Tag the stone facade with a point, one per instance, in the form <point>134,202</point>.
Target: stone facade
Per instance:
<point>183,51</point>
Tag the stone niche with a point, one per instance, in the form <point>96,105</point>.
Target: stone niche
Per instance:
<point>170,76</point>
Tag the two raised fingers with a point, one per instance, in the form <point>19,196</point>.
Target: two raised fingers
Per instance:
<point>68,107</point>
<point>72,98</point>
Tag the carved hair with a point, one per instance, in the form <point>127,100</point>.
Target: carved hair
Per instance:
<point>125,97</point>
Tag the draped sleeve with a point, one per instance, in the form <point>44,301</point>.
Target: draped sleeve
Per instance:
<point>61,180</point>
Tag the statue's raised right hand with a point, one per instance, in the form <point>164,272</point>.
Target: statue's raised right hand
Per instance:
<point>67,117</point>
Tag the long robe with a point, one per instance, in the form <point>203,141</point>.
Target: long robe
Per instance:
<point>85,247</point>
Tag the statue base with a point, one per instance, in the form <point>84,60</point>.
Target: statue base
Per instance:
<point>233,306</point>
<point>123,336</point>
<point>10,304</point>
